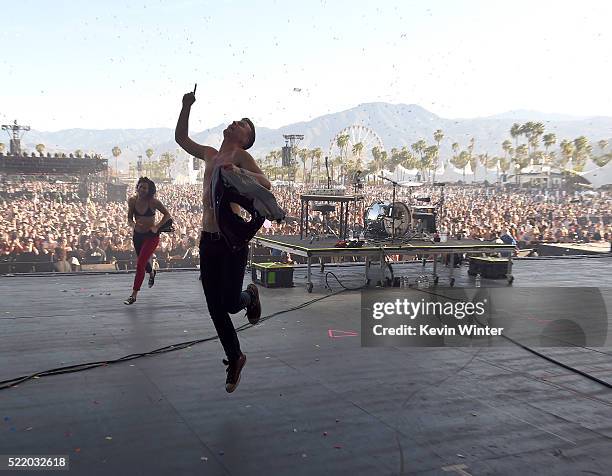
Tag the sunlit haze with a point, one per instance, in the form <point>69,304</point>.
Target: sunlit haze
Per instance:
<point>69,64</point>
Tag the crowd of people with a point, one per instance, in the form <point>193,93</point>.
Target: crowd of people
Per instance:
<point>486,213</point>
<point>44,227</point>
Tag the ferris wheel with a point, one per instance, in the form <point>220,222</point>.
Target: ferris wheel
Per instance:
<point>356,134</point>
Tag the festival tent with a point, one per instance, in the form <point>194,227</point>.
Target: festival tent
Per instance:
<point>598,176</point>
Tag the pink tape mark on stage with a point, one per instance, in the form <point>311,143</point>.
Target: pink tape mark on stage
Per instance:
<point>333,333</point>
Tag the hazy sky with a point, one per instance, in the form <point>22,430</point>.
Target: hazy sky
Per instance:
<point>111,64</point>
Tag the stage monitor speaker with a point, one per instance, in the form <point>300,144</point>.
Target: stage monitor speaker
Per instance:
<point>116,192</point>
<point>286,154</point>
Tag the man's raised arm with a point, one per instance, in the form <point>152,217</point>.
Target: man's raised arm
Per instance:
<point>181,134</point>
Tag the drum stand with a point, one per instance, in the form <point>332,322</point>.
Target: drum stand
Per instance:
<point>327,230</point>
<point>420,233</point>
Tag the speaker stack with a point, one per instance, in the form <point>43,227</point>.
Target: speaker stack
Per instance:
<point>116,192</point>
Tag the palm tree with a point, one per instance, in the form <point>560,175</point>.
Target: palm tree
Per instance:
<point>504,165</point>
<point>438,136</point>
<point>371,170</point>
<point>527,131</point>
<point>582,151</point>
<point>508,151</point>
<point>537,130</point>
<point>149,153</point>
<point>357,151</point>
<point>521,159</point>
<point>419,148</point>
<point>274,156</point>
<point>463,159</point>
<point>40,148</point>
<point>492,162</point>
<point>567,152</point>
<point>538,157</point>
<point>506,146</point>
<point>602,144</point>
<point>303,155</point>
<point>338,163</point>
<point>602,160</point>
<point>78,153</point>
<point>407,160</point>
<point>378,162</point>
<point>165,163</point>
<point>116,153</point>
<point>549,140</point>
<point>385,161</point>
<point>473,161</point>
<point>342,141</point>
<point>516,132</point>
<point>392,160</point>
<point>431,160</point>
<point>483,159</point>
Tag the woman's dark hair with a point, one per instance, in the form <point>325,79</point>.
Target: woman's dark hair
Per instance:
<point>252,139</point>
<point>150,183</point>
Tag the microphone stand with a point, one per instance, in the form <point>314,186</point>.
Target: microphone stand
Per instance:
<point>441,202</point>
<point>395,185</point>
<point>356,186</point>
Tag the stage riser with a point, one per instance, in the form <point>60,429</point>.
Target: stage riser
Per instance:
<point>489,268</point>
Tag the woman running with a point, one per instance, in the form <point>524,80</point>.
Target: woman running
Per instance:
<point>141,217</point>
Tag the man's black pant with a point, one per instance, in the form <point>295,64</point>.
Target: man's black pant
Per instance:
<point>222,272</point>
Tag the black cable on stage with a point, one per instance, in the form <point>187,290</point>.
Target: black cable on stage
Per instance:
<point>345,288</point>
<point>560,364</point>
<point>515,342</point>
<point>356,288</point>
<point>535,352</point>
<point>5,384</point>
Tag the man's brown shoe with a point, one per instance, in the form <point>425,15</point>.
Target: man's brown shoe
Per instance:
<point>233,373</point>
<point>254,309</point>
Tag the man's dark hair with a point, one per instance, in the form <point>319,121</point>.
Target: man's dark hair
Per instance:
<point>252,139</point>
<point>148,181</point>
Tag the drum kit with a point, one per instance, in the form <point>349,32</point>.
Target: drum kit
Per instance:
<point>394,219</point>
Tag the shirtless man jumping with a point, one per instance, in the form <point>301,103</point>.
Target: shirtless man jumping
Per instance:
<point>221,269</point>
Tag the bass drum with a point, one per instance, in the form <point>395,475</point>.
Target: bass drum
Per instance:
<point>400,216</point>
<point>373,219</point>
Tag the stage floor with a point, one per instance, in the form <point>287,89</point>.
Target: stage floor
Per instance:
<point>307,404</point>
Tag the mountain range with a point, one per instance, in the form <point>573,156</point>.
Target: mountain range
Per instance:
<point>396,125</point>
